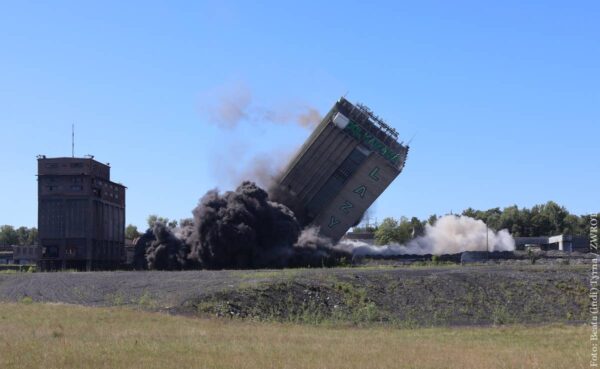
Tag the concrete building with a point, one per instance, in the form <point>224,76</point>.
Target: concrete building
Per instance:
<point>24,255</point>
<point>129,254</point>
<point>81,215</point>
<point>6,254</point>
<point>366,237</point>
<point>348,161</point>
<point>560,242</point>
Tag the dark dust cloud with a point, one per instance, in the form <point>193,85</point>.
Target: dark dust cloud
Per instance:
<point>235,230</point>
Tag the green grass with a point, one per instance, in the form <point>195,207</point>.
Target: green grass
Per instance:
<point>62,336</point>
<point>266,274</point>
<point>17,268</point>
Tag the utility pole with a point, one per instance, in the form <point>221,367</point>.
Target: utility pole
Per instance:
<point>487,240</point>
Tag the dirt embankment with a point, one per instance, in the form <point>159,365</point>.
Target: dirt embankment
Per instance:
<point>424,296</point>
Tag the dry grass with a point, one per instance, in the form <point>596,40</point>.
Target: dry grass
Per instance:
<point>60,336</point>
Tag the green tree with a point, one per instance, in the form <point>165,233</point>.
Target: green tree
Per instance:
<point>432,220</point>
<point>472,213</point>
<point>510,219</point>
<point>394,231</point>
<point>131,232</point>
<point>26,236</point>
<point>365,229</point>
<point>492,218</point>
<point>33,236</point>
<point>526,228</point>
<point>387,231</point>
<point>418,227</point>
<point>548,219</point>
<point>556,215</point>
<point>406,230</point>
<point>541,220</point>
<point>185,222</point>
<point>8,235</point>
<point>585,224</point>
<point>571,225</point>
<point>153,218</point>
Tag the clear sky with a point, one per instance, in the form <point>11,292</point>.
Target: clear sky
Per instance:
<point>502,98</point>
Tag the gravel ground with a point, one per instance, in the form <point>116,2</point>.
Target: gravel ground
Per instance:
<point>407,296</point>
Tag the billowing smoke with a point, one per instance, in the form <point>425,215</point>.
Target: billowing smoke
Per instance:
<point>237,229</point>
<point>244,229</point>
<point>241,229</point>
<point>451,234</point>
<point>230,108</point>
<point>302,115</point>
<point>263,169</point>
<point>166,252</point>
<point>230,105</point>
<point>233,104</point>
<point>309,118</point>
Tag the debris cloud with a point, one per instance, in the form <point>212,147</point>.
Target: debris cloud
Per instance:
<point>237,229</point>
<point>241,228</point>
<point>451,234</point>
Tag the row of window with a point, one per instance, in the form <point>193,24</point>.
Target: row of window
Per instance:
<point>25,251</point>
<point>75,188</point>
<point>104,184</point>
<point>103,250</point>
<point>71,165</point>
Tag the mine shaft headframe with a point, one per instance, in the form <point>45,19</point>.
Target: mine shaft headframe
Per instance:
<point>378,120</point>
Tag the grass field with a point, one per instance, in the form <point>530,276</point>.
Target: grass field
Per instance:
<point>63,336</point>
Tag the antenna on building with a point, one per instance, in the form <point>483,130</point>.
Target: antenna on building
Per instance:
<point>73,140</point>
<point>413,136</point>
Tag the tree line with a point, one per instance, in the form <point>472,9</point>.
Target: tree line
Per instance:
<point>21,236</point>
<point>132,232</point>
<point>24,236</point>
<point>540,220</point>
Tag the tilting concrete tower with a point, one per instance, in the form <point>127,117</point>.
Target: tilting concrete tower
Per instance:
<point>348,161</point>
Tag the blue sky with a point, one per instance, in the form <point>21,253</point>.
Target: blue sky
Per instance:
<point>502,98</point>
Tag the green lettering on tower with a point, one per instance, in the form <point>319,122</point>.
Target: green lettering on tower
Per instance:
<point>346,206</point>
<point>373,174</point>
<point>360,190</point>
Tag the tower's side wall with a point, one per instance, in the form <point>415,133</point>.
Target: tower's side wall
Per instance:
<point>346,209</point>
<point>345,164</point>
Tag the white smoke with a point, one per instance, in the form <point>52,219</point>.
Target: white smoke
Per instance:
<point>451,234</point>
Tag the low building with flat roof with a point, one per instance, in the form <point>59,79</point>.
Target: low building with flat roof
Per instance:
<point>560,242</point>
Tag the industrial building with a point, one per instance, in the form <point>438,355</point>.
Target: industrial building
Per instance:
<point>560,242</point>
<point>81,215</point>
<point>347,162</point>
<point>6,254</point>
<point>25,255</point>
